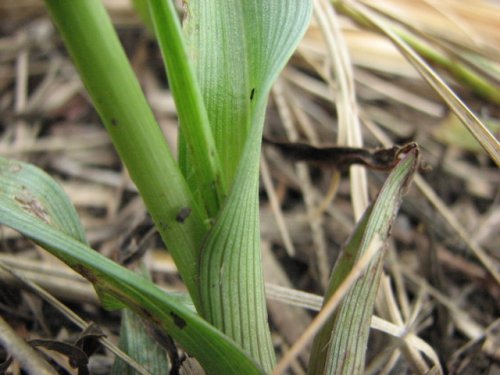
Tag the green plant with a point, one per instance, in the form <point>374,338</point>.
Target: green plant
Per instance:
<point>206,206</point>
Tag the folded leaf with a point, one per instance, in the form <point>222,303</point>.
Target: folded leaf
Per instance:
<point>340,347</point>
<point>238,48</point>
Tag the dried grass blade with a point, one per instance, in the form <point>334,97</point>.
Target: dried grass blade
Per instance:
<point>73,317</point>
<point>473,124</point>
<point>347,109</point>
<point>275,206</point>
<point>31,361</point>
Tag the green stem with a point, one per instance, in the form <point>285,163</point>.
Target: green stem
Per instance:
<point>98,55</point>
<point>191,109</point>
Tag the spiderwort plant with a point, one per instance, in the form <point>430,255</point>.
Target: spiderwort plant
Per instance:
<point>205,207</point>
<point>220,74</point>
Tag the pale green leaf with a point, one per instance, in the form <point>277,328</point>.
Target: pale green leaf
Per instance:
<point>238,48</point>
<point>44,202</point>
<point>139,345</point>
<point>340,347</point>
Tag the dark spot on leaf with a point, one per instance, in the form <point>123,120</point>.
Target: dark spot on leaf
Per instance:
<point>114,121</point>
<point>252,94</point>
<point>163,226</point>
<point>183,214</point>
<point>148,316</point>
<point>145,313</point>
<point>88,274</point>
<point>32,206</point>
<point>178,321</point>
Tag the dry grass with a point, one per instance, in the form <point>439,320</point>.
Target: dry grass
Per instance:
<point>439,299</point>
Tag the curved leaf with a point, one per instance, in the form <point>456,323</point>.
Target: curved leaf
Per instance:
<point>340,346</point>
<point>238,48</point>
<point>38,220</point>
<point>231,285</point>
<point>44,201</point>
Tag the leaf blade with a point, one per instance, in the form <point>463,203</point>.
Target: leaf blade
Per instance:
<point>216,352</point>
<point>98,55</point>
<point>237,58</point>
<point>235,77</point>
<point>193,117</point>
<point>340,346</point>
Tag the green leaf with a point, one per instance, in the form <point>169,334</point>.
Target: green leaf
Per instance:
<point>231,286</point>
<point>340,346</point>
<point>36,219</point>
<point>103,66</point>
<point>45,202</point>
<point>141,7</point>
<point>238,48</point>
<point>191,110</point>
<point>135,341</point>
<point>138,343</point>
